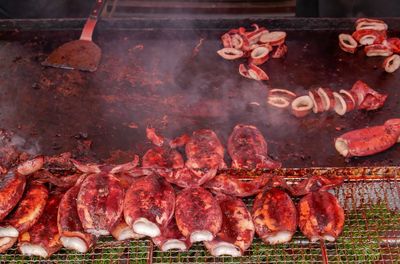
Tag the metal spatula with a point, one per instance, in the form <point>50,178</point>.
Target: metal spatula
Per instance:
<point>82,54</point>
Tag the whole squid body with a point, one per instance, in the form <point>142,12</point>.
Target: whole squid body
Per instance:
<point>198,214</point>
<point>24,216</point>
<point>12,184</point>
<point>320,215</point>
<point>43,239</point>
<point>121,230</point>
<point>237,230</point>
<point>248,149</point>
<point>101,196</point>
<point>274,214</point>
<point>149,205</point>
<point>370,140</point>
<point>205,155</point>
<point>72,234</point>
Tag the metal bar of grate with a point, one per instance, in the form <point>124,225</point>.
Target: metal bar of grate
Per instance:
<point>371,235</point>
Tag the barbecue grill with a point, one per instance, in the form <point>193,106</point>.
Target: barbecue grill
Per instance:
<point>149,76</point>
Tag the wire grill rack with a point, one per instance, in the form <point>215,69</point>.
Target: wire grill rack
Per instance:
<point>370,198</point>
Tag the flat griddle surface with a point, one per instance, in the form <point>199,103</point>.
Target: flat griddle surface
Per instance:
<point>150,77</point>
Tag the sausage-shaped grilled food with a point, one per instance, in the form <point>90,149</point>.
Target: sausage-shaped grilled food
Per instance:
<point>320,216</point>
<point>43,239</point>
<point>274,216</point>
<point>198,215</point>
<point>370,140</point>
<point>72,235</point>
<point>149,205</point>
<point>237,231</point>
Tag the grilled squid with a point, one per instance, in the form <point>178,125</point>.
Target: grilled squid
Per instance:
<point>26,214</point>
<point>248,148</point>
<point>392,63</point>
<point>394,44</point>
<point>121,230</point>
<point>315,183</point>
<point>369,36</point>
<point>274,216</point>
<point>280,51</point>
<point>31,166</point>
<point>343,104</point>
<point>179,141</point>
<point>253,72</point>
<point>368,98</point>
<point>100,192</point>
<point>259,55</point>
<point>198,215</point>
<point>226,40</point>
<point>230,53</point>
<point>318,104</point>
<point>43,239</point>
<point>155,138</point>
<point>12,187</point>
<point>320,216</point>
<point>302,106</point>
<point>280,98</point>
<point>369,23</point>
<point>368,141</point>
<point>6,243</point>
<point>164,159</point>
<point>149,205</point>
<point>237,229</point>
<point>328,99</point>
<point>171,238</point>
<point>377,50</point>
<point>274,38</point>
<point>72,234</point>
<point>347,43</point>
<point>233,185</point>
<point>205,155</point>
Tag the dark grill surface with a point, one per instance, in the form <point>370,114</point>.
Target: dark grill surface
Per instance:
<point>149,77</point>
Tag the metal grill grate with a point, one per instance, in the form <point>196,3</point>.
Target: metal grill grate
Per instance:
<point>371,235</point>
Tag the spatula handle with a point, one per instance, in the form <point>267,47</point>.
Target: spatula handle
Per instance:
<point>90,24</point>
